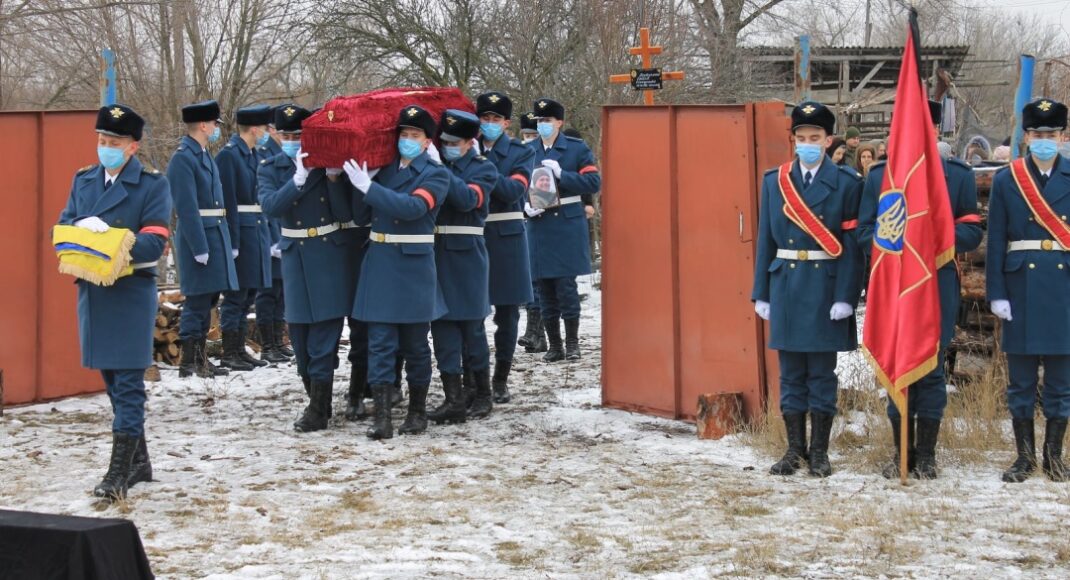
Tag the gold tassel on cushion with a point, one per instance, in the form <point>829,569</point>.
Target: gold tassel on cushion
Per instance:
<point>97,258</point>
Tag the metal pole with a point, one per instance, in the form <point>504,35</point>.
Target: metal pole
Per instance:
<point>107,77</point>
<point>1026,63</point>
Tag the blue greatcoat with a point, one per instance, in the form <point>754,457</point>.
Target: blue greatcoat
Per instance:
<point>962,189</point>
<point>319,273</point>
<point>249,231</point>
<point>267,152</point>
<point>801,293</point>
<point>399,281</point>
<point>1036,282</point>
<point>507,241</point>
<point>461,259</point>
<point>115,323</point>
<point>195,186</point>
<point>560,246</point>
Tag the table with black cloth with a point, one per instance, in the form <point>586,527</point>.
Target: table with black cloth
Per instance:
<point>34,545</point>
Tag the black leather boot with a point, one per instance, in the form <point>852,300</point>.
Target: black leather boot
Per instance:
<point>140,467</point>
<point>416,419</point>
<point>453,409</point>
<point>572,339</point>
<point>207,366</point>
<point>928,433</point>
<point>820,431</point>
<point>500,381</point>
<point>358,385</point>
<point>114,485</point>
<point>315,416</point>
<point>243,333</point>
<point>529,329</point>
<point>269,347</point>
<point>891,471</point>
<point>538,343</point>
<point>232,359</point>
<point>796,454</point>
<point>482,404</point>
<point>556,352</point>
<point>308,386</point>
<point>468,388</point>
<point>1053,450</point>
<point>190,364</point>
<point>382,428</point>
<point>280,343</point>
<point>396,397</point>
<point>1025,443</point>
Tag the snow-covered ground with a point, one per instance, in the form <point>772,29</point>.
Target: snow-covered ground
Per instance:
<point>551,486</point>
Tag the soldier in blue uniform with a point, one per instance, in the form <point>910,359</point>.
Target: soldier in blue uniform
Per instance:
<point>202,240</point>
<point>1028,278</point>
<point>462,266</point>
<point>928,396</point>
<point>116,322</point>
<point>560,243</point>
<point>398,295</point>
<point>318,262</point>
<point>807,281</point>
<point>534,339</point>
<point>250,232</point>
<point>269,304</point>
<point>507,243</point>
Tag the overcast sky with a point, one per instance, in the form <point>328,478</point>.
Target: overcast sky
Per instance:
<point>1058,11</point>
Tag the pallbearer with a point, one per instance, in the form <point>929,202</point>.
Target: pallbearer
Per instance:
<point>116,322</point>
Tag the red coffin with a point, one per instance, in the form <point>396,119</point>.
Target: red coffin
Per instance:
<point>362,127</point>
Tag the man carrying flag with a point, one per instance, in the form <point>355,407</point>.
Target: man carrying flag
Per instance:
<point>927,397</point>
<point>807,280</point>
<point>1028,277</point>
<point>913,236</point>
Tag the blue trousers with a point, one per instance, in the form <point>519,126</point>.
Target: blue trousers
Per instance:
<point>1022,392</point>
<point>196,317</point>
<point>386,341</point>
<point>235,308</point>
<point>316,348</point>
<point>927,398</point>
<point>126,390</point>
<point>270,307</point>
<point>507,330</point>
<point>457,339</point>
<point>358,343</point>
<point>559,298</point>
<point>808,382</point>
<point>534,305</point>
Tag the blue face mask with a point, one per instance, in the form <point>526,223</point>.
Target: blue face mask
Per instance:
<point>409,148</point>
<point>491,131</point>
<point>1044,149</point>
<point>215,135</point>
<point>546,130</point>
<point>263,140</point>
<point>452,152</point>
<point>809,153</point>
<point>110,157</point>
<point>290,148</point>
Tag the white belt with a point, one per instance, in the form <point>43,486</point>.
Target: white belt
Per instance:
<point>803,255</point>
<point>248,209</point>
<point>573,199</point>
<point>1023,245</point>
<point>469,230</point>
<point>143,265</point>
<point>311,232</point>
<point>352,224</point>
<point>505,216</point>
<point>401,238</point>
<point>213,213</point>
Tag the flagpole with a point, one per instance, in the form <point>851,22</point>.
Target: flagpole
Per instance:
<point>904,438</point>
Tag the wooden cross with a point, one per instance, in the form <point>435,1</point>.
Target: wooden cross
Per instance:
<point>646,51</point>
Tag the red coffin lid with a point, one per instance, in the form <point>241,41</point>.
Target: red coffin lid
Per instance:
<point>362,127</point>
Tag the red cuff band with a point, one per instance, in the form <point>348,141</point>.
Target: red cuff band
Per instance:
<point>158,230</point>
<point>969,219</point>
<point>427,197</point>
<point>849,225</point>
<point>589,169</point>
<point>520,177</point>
<point>479,193</point>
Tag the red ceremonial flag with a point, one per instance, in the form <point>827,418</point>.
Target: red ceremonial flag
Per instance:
<point>913,237</point>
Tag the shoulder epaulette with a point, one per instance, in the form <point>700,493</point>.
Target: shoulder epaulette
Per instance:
<point>149,170</point>
<point>481,158</point>
<point>772,171</point>
<point>86,168</point>
<point>960,163</point>
<point>263,161</point>
<point>850,171</point>
<point>571,138</point>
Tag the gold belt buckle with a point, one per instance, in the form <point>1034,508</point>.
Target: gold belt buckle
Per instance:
<point>803,255</point>
<point>377,237</point>
<point>312,232</point>
<point>1046,245</point>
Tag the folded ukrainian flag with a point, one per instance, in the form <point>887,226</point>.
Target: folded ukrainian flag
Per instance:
<point>98,258</point>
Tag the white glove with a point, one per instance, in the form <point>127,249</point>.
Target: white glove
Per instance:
<point>334,171</point>
<point>841,310</point>
<point>477,146</point>
<point>358,175</point>
<point>201,259</point>
<point>234,253</point>
<point>554,166</point>
<point>1002,309</point>
<point>762,308</point>
<point>432,152</point>
<point>532,212</point>
<point>301,174</point>
<point>93,224</point>
<point>275,251</point>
